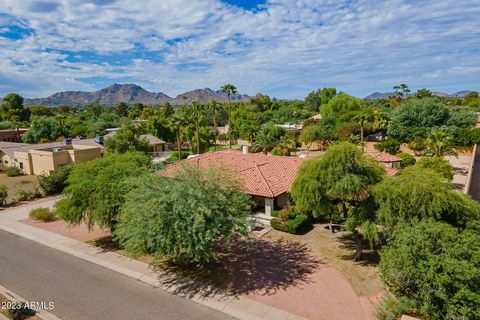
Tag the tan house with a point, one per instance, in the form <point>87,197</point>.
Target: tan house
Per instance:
<point>45,158</point>
<point>268,179</point>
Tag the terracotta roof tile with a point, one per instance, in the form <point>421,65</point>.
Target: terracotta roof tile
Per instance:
<point>261,175</point>
<point>386,157</point>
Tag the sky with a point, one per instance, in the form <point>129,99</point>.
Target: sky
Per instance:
<point>283,48</point>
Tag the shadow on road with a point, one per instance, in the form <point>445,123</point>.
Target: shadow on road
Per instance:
<point>260,266</point>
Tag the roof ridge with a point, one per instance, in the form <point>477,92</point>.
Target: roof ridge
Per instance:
<point>265,180</point>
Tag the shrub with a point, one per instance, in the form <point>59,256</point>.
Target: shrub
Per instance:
<point>391,146</point>
<point>56,182</point>
<point>174,155</point>
<point>437,164</point>
<point>20,312</point>
<point>3,194</point>
<point>23,195</point>
<point>392,308</point>
<point>12,171</point>
<point>407,159</point>
<point>418,146</point>
<point>275,213</point>
<point>289,221</point>
<point>42,214</point>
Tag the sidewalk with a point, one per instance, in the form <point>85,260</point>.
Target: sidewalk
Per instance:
<point>238,307</point>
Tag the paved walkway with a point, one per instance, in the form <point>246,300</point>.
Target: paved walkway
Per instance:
<point>238,307</point>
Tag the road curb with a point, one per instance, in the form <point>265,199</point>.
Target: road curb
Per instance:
<point>239,307</point>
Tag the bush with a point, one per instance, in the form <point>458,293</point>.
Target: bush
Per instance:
<point>23,195</point>
<point>3,194</point>
<point>20,312</point>
<point>174,155</point>
<point>275,213</point>
<point>391,146</point>
<point>12,171</point>
<point>407,159</point>
<point>56,182</point>
<point>42,214</point>
<point>289,221</point>
<point>392,308</point>
<point>437,164</point>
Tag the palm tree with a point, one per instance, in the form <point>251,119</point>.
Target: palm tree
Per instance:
<point>194,111</point>
<point>178,121</point>
<point>263,143</point>
<point>403,88</point>
<point>362,119</point>
<point>229,89</point>
<point>381,121</point>
<point>440,144</point>
<point>213,107</point>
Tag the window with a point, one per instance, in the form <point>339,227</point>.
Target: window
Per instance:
<point>21,165</point>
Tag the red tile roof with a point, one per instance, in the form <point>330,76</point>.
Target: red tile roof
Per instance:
<point>386,157</point>
<point>261,175</point>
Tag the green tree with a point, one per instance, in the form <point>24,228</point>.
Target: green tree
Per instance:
<point>194,112</point>
<point>362,119</point>
<point>462,117</point>
<point>268,136</point>
<point>96,189</point>
<point>3,194</point>
<point>56,181</point>
<point>436,265</point>
<point>125,139</point>
<point>178,121</point>
<point>337,186</point>
<point>13,110</point>
<point>391,146</point>
<point>43,129</point>
<point>437,164</point>
<point>439,143</point>
<point>402,90</point>
<point>407,159</point>
<point>423,93</point>
<point>419,194</point>
<point>214,107</point>
<point>121,109</point>
<point>229,89</point>
<point>159,126</point>
<point>313,101</point>
<point>328,94</point>
<point>381,121</point>
<point>309,135</point>
<point>415,117</point>
<point>341,104</point>
<point>187,219</point>
<point>245,122</point>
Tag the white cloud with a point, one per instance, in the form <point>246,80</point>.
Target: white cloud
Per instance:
<point>286,49</point>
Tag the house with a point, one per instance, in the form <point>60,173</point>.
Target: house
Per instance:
<point>268,179</point>
<point>391,162</point>
<point>11,135</point>
<point>156,144</point>
<point>45,158</point>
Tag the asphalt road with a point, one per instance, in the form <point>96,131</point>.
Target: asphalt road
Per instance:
<point>83,290</point>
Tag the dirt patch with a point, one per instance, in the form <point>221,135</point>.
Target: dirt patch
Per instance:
<point>80,232</point>
<point>337,249</point>
<point>3,300</point>
<point>27,183</point>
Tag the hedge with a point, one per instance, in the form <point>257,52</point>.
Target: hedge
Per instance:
<point>294,224</point>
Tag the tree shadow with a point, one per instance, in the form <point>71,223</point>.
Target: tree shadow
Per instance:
<point>370,257</point>
<point>260,266</point>
<point>107,244</point>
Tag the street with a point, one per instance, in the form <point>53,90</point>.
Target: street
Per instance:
<point>82,290</point>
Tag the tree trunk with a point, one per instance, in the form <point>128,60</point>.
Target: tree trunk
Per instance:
<point>179,144</point>
<point>229,123</point>
<point>358,246</point>
<point>215,131</point>
<point>198,137</point>
<point>18,134</point>
<point>361,139</point>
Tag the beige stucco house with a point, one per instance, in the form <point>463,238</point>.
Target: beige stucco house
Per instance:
<point>45,158</point>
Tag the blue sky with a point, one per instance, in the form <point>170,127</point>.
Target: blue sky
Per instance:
<point>284,48</point>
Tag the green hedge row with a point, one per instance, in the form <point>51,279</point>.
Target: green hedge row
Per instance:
<point>294,224</point>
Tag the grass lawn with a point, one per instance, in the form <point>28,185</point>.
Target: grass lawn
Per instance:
<point>338,250</point>
<point>27,183</point>
<point>223,147</point>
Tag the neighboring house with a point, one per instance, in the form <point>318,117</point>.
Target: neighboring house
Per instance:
<point>10,135</point>
<point>290,126</point>
<point>46,158</point>
<point>156,144</point>
<point>391,162</point>
<point>268,179</point>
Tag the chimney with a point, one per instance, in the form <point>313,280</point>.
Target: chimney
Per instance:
<point>244,149</point>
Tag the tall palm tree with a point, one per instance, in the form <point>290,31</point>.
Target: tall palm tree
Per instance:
<point>263,143</point>
<point>381,121</point>
<point>362,119</point>
<point>194,111</point>
<point>229,89</point>
<point>178,120</point>
<point>213,107</point>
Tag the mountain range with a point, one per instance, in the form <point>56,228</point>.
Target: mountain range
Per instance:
<point>386,95</point>
<point>131,93</point>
